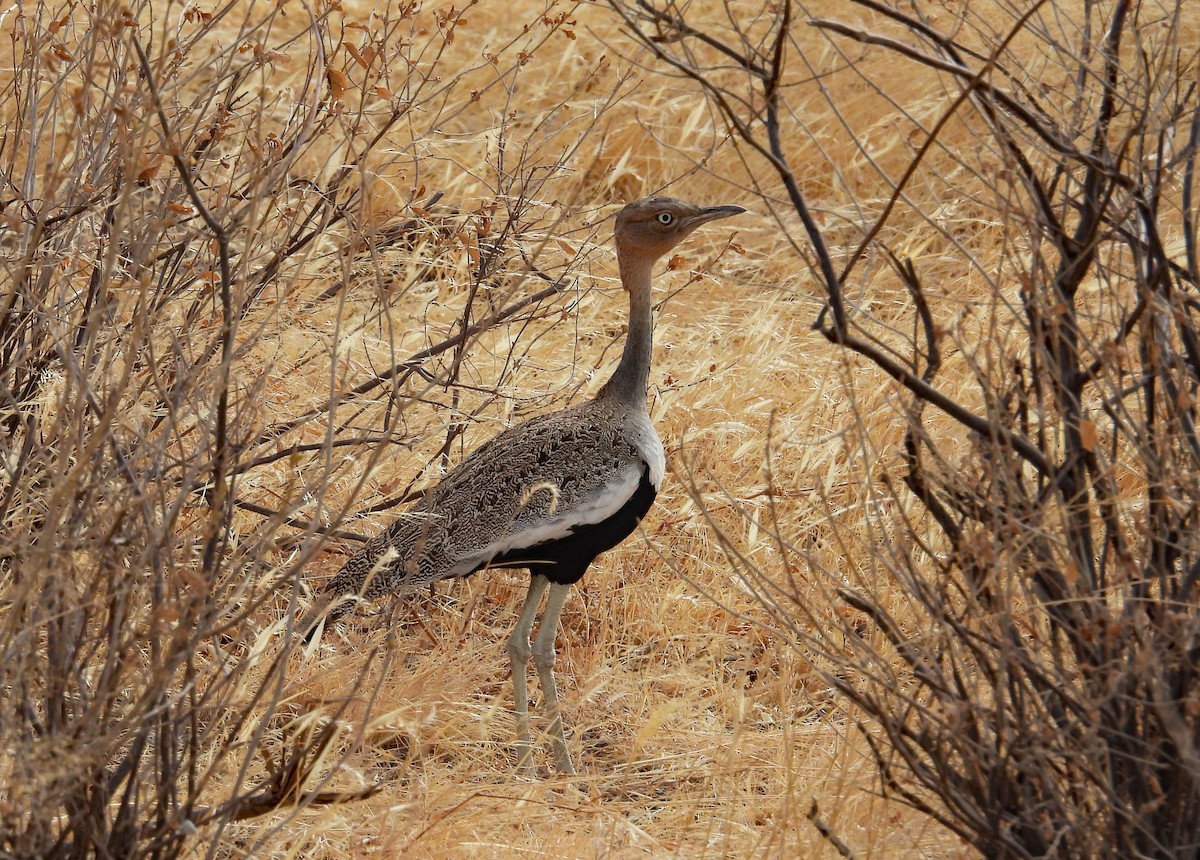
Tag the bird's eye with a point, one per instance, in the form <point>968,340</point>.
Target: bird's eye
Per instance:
<point>665,217</point>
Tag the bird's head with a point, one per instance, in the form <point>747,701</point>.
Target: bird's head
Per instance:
<point>648,228</point>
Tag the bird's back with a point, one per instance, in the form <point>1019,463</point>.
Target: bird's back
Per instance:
<point>534,484</point>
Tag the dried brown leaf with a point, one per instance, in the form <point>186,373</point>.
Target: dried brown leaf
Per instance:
<point>338,82</point>
<point>353,52</point>
<point>1087,435</point>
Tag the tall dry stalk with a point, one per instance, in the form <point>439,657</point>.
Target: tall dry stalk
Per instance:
<point>1016,566</point>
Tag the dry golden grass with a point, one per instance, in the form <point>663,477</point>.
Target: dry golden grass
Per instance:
<point>699,732</point>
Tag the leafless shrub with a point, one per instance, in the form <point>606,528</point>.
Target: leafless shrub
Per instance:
<point>1016,571</point>
<point>172,189</point>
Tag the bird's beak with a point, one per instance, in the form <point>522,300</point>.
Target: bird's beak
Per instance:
<point>722,211</point>
<point>712,213</point>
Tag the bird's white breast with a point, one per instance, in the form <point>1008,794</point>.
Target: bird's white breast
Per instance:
<point>645,439</point>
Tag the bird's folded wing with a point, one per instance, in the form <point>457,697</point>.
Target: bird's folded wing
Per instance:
<point>554,522</point>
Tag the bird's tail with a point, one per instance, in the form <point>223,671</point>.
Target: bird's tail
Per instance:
<point>362,576</point>
<point>330,606</point>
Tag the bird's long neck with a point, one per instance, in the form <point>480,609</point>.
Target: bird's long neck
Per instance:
<point>629,380</point>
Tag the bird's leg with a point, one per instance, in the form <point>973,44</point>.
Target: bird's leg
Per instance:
<point>519,652</point>
<point>543,659</point>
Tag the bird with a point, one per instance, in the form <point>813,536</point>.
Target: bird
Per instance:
<point>549,494</point>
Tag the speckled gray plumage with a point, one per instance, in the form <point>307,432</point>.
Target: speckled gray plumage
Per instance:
<point>527,477</point>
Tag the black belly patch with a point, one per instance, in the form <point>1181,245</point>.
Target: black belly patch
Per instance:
<point>565,560</point>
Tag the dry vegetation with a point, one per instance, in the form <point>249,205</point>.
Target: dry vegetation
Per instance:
<point>270,268</point>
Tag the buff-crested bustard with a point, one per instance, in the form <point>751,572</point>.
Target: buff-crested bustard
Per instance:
<point>548,495</point>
